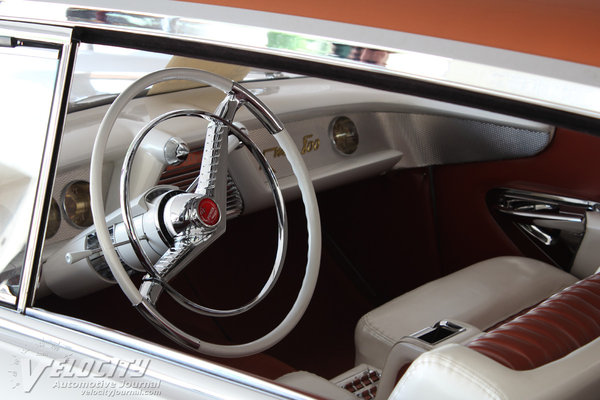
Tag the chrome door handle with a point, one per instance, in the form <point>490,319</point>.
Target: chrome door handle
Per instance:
<point>571,222</point>
<point>555,224</point>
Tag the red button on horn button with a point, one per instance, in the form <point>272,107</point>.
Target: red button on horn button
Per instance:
<point>208,211</point>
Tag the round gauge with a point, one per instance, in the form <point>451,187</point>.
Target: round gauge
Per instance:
<point>76,204</point>
<point>344,135</point>
<point>53,219</point>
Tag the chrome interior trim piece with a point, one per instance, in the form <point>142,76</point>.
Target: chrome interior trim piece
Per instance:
<point>264,115</point>
<point>122,339</point>
<point>235,202</point>
<point>553,199</point>
<point>507,74</point>
<point>363,384</point>
<point>554,224</point>
<point>439,332</point>
<point>577,220</point>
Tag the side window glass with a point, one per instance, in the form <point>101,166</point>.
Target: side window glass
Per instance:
<point>27,81</point>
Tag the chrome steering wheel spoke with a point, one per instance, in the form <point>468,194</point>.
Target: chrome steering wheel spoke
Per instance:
<point>213,169</point>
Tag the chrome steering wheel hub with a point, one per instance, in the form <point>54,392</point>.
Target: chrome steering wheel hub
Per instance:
<point>187,209</point>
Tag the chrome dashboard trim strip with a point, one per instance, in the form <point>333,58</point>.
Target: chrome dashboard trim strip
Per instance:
<point>202,366</point>
<point>536,80</point>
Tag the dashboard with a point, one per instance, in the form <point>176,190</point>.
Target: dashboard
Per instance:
<point>344,132</point>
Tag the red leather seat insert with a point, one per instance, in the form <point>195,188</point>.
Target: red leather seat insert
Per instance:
<point>562,323</point>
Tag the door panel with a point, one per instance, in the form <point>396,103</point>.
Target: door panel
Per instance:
<point>467,230</point>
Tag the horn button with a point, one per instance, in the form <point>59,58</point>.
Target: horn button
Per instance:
<point>183,211</point>
<point>208,212</point>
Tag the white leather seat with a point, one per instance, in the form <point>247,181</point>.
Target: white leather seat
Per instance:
<point>548,352</point>
<point>458,372</point>
<point>480,295</point>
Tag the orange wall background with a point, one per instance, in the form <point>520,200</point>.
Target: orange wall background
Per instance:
<point>564,29</point>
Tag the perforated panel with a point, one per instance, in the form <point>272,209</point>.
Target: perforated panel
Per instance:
<point>435,140</point>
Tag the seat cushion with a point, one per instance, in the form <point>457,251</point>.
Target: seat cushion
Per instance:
<point>480,295</point>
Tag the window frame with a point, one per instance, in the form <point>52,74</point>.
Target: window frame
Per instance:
<point>59,38</point>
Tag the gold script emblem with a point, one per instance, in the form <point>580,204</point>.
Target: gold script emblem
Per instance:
<point>308,145</point>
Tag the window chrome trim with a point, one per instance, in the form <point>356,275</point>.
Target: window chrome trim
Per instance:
<point>536,80</point>
<point>196,364</point>
<point>61,37</point>
<point>35,239</point>
<point>35,32</point>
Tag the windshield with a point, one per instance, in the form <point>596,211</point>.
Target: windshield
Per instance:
<point>102,71</point>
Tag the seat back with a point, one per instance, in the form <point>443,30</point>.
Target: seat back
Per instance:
<point>561,324</point>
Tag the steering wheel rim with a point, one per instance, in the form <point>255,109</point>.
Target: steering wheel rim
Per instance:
<point>284,140</point>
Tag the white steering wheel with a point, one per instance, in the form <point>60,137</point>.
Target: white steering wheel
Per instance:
<point>196,219</point>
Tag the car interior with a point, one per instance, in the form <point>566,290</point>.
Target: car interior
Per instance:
<point>457,244</point>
